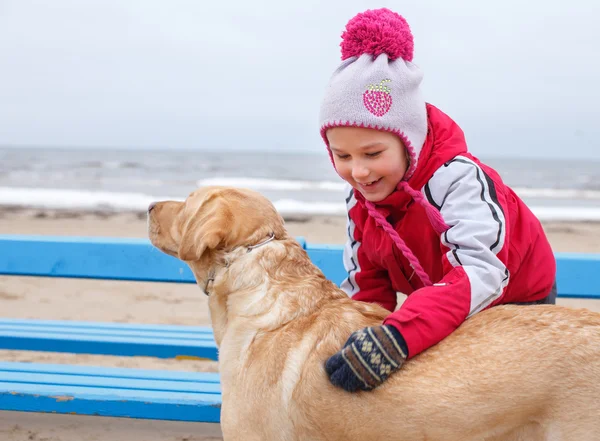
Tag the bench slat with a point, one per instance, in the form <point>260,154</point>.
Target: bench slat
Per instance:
<point>577,275</point>
<point>136,393</point>
<point>108,345</point>
<point>91,257</point>
<point>110,402</point>
<point>163,341</point>
<point>109,382</point>
<point>36,328</point>
<point>133,373</point>
<point>66,393</point>
<point>74,324</point>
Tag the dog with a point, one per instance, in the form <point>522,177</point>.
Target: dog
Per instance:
<point>510,373</point>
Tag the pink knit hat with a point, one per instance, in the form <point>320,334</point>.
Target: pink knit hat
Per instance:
<point>377,86</point>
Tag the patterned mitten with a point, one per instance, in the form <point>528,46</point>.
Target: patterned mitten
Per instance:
<point>368,358</point>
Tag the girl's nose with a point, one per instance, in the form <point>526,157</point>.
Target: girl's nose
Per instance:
<point>359,172</point>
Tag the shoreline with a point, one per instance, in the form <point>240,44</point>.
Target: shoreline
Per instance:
<point>565,236</point>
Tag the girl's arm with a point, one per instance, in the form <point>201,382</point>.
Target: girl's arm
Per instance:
<point>475,260</point>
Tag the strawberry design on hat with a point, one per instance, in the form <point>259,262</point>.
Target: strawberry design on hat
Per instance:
<point>377,98</point>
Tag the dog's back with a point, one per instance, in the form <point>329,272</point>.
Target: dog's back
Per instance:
<point>509,373</point>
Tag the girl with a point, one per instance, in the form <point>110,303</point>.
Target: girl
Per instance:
<point>425,217</point>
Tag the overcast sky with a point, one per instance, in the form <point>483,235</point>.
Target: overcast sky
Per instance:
<point>521,77</point>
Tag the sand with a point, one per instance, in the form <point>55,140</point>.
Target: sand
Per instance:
<point>69,299</point>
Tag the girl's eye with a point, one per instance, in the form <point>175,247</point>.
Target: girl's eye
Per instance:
<point>373,155</point>
<point>343,156</point>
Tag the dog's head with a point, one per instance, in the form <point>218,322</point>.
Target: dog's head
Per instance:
<point>211,220</point>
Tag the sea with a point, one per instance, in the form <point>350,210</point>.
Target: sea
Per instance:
<point>111,180</point>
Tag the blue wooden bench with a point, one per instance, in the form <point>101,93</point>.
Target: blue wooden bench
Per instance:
<point>133,393</point>
<point>123,339</point>
<point>142,393</point>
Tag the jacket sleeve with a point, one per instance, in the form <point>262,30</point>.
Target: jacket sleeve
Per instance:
<point>365,281</point>
<point>476,245</point>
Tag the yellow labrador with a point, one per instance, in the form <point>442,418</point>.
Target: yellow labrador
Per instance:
<point>509,373</point>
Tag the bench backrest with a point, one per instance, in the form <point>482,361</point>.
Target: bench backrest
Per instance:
<point>138,260</point>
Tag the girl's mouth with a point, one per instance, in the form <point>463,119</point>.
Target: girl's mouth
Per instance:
<point>370,185</point>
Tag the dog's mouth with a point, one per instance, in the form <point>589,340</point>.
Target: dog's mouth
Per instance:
<point>155,240</point>
<point>169,251</point>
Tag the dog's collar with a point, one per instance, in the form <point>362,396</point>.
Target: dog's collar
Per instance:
<point>211,274</point>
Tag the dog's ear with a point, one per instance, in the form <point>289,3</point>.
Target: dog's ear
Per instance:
<point>205,230</point>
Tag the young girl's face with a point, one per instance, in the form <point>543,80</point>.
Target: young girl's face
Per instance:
<point>370,160</point>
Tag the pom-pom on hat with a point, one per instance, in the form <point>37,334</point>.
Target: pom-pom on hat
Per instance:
<point>377,85</point>
<point>378,32</point>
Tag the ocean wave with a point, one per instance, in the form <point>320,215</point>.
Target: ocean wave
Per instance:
<point>117,201</point>
<point>557,193</point>
<point>273,184</point>
<point>110,165</point>
<point>265,184</point>
<point>76,199</point>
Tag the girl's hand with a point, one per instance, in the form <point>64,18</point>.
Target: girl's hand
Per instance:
<point>367,359</point>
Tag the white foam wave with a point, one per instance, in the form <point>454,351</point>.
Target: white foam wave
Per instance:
<point>290,206</point>
<point>89,200</point>
<point>298,185</point>
<point>567,213</point>
<point>273,184</point>
<point>75,199</point>
<point>555,193</point>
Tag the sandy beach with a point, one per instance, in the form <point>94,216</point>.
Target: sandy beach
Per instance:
<point>28,297</point>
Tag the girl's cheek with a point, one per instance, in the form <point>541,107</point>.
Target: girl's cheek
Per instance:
<point>345,174</point>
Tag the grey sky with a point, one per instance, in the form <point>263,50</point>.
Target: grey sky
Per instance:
<point>520,77</point>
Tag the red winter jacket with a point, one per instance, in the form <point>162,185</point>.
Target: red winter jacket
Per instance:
<point>494,252</point>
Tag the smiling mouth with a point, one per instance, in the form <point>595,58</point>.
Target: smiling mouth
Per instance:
<point>368,184</point>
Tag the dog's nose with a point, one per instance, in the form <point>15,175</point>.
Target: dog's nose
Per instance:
<point>151,206</point>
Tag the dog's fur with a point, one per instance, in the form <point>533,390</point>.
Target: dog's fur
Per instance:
<point>508,373</point>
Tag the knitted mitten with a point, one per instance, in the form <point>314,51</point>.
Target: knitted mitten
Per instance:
<point>368,358</point>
